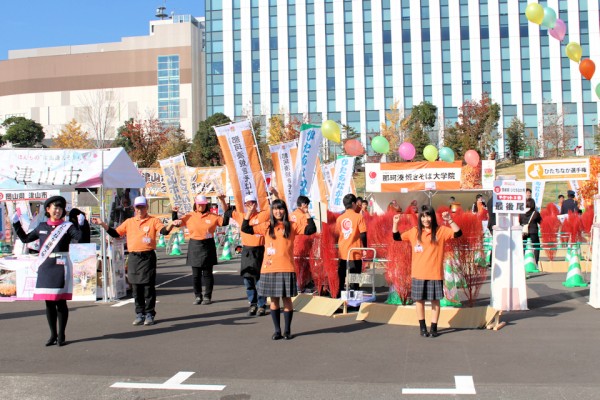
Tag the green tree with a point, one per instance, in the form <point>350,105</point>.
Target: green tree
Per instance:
<point>71,136</point>
<point>515,139</point>
<point>597,137</point>
<point>419,124</point>
<point>205,150</point>
<point>22,132</point>
<point>177,143</point>
<point>122,140</point>
<point>475,128</point>
<point>147,139</point>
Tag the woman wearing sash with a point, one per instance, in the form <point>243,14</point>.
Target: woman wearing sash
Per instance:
<point>52,284</point>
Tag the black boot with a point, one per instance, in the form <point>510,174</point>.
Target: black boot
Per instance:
<point>63,317</point>
<point>287,317</point>
<point>434,332</point>
<point>423,327</point>
<point>276,317</point>
<point>51,316</point>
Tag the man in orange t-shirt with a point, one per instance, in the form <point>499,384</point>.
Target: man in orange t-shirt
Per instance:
<point>141,231</point>
<point>352,232</point>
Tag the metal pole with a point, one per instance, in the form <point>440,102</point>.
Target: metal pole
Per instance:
<point>103,238</point>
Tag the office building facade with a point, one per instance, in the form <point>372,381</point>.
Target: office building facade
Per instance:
<point>350,60</point>
<point>155,76</point>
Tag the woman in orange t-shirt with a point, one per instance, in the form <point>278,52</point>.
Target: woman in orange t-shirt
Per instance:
<point>277,276</point>
<point>427,241</point>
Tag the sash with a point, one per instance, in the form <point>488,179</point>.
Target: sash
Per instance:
<point>51,241</point>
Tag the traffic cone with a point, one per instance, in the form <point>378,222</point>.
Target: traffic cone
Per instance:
<point>175,251</point>
<point>530,265</point>
<point>451,298</point>
<point>161,242</point>
<point>574,277</point>
<point>181,236</point>
<point>226,254</point>
<point>487,247</point>
<point>394,298</point>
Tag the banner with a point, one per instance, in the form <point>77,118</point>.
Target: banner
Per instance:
<point>557,170</point>
<point>393,177</point>
<point>328,170</point>
<point>27,195</point>
<point>177,182</point>
<point>155,182</point>
<point>209,181</point>
<point>242,162</point>
<point>537,193</point>
<point>488,174</point>
<point>344,167</point>
<point>283,156</point>
<point>509,197</point>
<point>84,259</point>
<point>309,144</point>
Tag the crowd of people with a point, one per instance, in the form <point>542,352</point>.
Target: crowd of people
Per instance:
<point>267,258</point>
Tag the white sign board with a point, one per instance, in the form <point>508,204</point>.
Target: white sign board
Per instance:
<point>557,170</point>
<point>509,197</point>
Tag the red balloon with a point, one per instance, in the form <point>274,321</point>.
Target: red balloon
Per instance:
<point>587,68</point>
<point>353,147</point>
<point>472,158</point>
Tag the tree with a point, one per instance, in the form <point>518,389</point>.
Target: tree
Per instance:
<point>556,139</point>
<point>475,127</point>
<point>122,140</point>
<point>597,137</point>
<point>177,143</point>
<point>71,136</point>
<point>99,113</point>
<point>205,150</point>
<point>393,132</point>
<point>276,129</point>
<point>147,138</point>
<point>22,132</point>
<point>418,124</point>
<point>515,139</point>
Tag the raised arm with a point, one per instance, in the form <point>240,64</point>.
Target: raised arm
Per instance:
<point>453,225</point>
<point>246,228</point>
<point>111,231</point>
<point>395,233</point>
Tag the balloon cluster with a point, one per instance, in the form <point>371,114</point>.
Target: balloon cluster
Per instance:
<point>546,16</point>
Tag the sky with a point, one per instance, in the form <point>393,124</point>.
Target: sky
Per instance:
<point>31,24</point>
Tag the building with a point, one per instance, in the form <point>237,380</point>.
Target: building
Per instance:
<point>349,60</point>
<point>154,76</point>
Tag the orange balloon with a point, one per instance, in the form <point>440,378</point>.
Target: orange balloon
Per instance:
<point>587,68</point>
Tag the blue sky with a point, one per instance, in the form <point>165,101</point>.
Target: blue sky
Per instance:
<point>30,24</point>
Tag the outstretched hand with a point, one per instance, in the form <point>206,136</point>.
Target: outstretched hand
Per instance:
<point>446,216</point>
<point>15,218</point>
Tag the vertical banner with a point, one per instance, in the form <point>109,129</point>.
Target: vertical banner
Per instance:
<point>309,143</point>
<point>488,174</point>
<point>177,182</point>
<point>574,186</point>
<point>283,156</point>
<point>241,159</point>
<point>342,180</point>
<point>537,193</point>
<point>328,170</point>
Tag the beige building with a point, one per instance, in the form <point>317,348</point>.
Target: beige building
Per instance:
<point>102,85</point>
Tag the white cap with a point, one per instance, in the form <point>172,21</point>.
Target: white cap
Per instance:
<point>249,197</point>
<point>140,201</point>
<point>201,199</point>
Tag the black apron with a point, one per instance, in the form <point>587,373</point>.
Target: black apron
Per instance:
<point>202,253</point>
<point>141,268</point>
<point>252,258</point>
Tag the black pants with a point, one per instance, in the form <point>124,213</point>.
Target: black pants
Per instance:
<point>57,311</point>
<point>203,281</point>
<point>535,242</point>
<point>355,268</point>
<point>145,298</point>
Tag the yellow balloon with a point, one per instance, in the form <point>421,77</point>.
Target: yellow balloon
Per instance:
<point>535,13</point>
<point>331,131</point>
<point>574,51</point>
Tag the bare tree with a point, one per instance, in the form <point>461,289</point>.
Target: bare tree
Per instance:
<point>99,113</point>
<point>556,138</point>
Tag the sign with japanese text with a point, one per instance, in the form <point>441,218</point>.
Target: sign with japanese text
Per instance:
<point>283,156</point>
<point>27,195</point>
<point>155,182</point>
<point>393,177</point>
<point>509,197</point>
<point>309,144</point>
<point>537,193</point>
<point>177,182</point>
<point>557,170</point>
<point>342,180</point>
<point>241,159</point>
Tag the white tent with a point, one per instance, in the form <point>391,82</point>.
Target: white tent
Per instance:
<point>67,170</point>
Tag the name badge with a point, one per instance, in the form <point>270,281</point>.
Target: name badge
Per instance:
<point>270,251</point>
<point>418,248</point>
<point>146,239</point>
<point>209,235</point>
<point>60,261</point>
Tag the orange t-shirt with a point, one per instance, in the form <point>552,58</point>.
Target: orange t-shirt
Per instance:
<point>255,219</point>
<point>298,216</point>
<point>349,226</point>
<point>279,252</point>
<point>201,226</point>
<point>141,233</point>
<point>428,264</point>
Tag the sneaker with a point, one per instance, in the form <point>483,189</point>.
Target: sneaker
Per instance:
<point>252,310</point>
<point>139,319</point>
<point>206,302</point>
<point>149,320</point>
<point>197,301</point>
<point>261,311</point>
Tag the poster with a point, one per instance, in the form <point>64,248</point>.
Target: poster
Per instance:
<point>84,259</point>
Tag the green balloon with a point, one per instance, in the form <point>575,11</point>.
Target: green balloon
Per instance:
<point>598,90</point>
<point>430,152</point>
<point>380,145</point>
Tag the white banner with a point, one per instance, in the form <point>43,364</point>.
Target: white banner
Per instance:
<point>309,144</point>
<point>328,170</point>
<point>488,174</point>
<point>344,167</point>
<point>285,171</point>
<point>177,182</point>
<point>537,193</point>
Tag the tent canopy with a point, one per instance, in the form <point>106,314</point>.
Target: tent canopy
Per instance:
<point>67,169</point>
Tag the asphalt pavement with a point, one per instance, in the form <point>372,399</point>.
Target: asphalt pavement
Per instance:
<point>217,352</point>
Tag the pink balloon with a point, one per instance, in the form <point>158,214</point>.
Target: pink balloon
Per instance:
<point>559,30</point>
<point>407,151</point>
<point>472,158</point>
<point>354,148</point>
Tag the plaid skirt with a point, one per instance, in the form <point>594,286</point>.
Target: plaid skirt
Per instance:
<point>277,284</point>
<point>427,290</point>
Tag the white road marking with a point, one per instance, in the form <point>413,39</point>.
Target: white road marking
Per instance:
<point>129,301</point>
<point>174,383</point>
<point>464,385</point>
